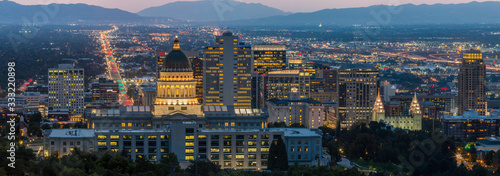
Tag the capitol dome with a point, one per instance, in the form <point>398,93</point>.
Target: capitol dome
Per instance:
<point>176,60</point>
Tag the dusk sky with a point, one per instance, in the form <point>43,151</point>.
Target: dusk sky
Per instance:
<point>285,5</point>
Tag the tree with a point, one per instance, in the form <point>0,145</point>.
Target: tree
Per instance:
<point>278,158</point>
<point>203,168</point>
<point>488,158</point>
<point>46,126</point>
<point>333,151</point>
<point>364,146</point>
<point>34,130</point>
<point>168,164</point>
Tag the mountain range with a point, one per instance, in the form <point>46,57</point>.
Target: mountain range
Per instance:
<point>232,12</point>
<point>11,12</point>
<point>466,13</point>
<point>212,10</point>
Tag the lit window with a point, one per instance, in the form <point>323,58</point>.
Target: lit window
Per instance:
<point>190,137</point>
<point>101,137</point>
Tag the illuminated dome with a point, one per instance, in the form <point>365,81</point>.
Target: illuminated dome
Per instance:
<point>176,60</point>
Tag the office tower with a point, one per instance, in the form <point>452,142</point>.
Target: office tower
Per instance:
<point>176,86</point>
<point>278,84</point>
<point>472,83</point>
<point>257,90</point>
<point>358,87</point>
<point>197,65</point>
<point>270,57</point>
<point>105,92</point>
<point>389,90</point>
<point>302,65</point>
<point>160,56</point>
<point>330,76</point>
<point>227,73</point>
<point>66,89</point>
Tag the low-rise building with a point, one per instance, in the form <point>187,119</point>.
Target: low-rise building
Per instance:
<point>232,149</point>
<point>471,125</point>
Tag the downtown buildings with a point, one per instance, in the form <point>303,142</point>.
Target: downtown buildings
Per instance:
<point>472,83</point>
<point>227,73</point>
<point>357,91</point>
<point>66,91</point>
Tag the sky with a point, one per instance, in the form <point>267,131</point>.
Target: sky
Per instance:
<point>285,5</point>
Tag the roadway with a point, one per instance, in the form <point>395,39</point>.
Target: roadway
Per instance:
<point>112,67</point>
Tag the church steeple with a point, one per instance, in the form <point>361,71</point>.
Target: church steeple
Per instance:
<point>415,106</point>
<point>378,109</point>
<point>379,105</point>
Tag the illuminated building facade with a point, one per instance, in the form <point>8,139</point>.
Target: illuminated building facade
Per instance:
<point>227,73</point>
<point>176,86</point>
<point>471,125</point>
<point>278,84</point>
<point>357,87</point>
<point>413,121</point>
<point>66,89</point>
<point>472,83</point>
<point>270,57</point>
<point>302,65</point>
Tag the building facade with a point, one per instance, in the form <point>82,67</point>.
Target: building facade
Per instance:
<point>472,83</point>
<point>471,125</point>
<point>357,90</point>
<point>105,92</point>
<point>231,149</point>
<point>227,73</point>
<point>279,84</point>
<point>270,57</point>
<point>66,89</point>
<point>413,121</point>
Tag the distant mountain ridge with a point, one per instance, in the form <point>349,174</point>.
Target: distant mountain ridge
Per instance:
<point>211,10</point>
<point>465,13</point>
<point>11,12</point>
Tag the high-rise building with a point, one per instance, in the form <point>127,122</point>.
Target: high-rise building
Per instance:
<point>197,65</point>
<point>270,57</point>
<point>160,56</point>
<point>279,84</point>
<point>176,85</point>
<point>302,65</point>
<point>66,89</point>
<point>227,73</point>
<point>357,87</point>
<point>472,83</point>
<point>330,76</point>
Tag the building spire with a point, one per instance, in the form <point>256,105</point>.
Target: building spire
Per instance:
<point>176,44</point>
<point>379,105</point>
<point>415,106</point>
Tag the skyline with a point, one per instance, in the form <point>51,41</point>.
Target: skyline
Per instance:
<point>293,6</point>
